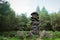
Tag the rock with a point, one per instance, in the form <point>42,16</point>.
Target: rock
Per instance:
<point>45,34</point>
<point>28,34</point>
<point>23,34</point>
<point>5,38</point>
<point>20,34</point>
<point>42,34</point>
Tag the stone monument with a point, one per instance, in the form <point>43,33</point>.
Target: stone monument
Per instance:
<point>35,23</point>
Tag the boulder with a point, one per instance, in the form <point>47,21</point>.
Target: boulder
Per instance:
<point>20,34</point>
<point>23,34</point>
<point>45,34</point>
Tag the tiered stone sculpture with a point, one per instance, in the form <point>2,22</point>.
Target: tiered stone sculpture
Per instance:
<point>35,23</point>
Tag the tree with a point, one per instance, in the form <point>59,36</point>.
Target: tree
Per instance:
<point>23,21</point>
<point>7,17</point>
<point>38,9</point>
<point>44,18</point>
<point>55,20</point>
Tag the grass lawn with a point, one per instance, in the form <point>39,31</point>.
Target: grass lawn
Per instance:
<point>57,38</point>
<point>13,38</point>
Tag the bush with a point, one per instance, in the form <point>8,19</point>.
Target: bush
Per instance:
<point>56,34</point>
<point>3,38</point>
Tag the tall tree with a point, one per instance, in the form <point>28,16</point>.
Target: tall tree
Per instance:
<point>38,9</point>
<point>44,17</point>
<point>7,17</point>
<point>23,21</point>
<point>55,20</point>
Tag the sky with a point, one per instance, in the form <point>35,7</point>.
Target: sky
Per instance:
<point>29,6</point>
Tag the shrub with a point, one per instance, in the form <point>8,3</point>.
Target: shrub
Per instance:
<point>56,34</point>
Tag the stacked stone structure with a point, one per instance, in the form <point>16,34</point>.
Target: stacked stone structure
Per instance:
<point>35,23</point>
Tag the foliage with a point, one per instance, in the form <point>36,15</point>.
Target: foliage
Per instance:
<point>49,21</point>
<point>44,19</point>
<point>23,22</point>
<point>9,21</point>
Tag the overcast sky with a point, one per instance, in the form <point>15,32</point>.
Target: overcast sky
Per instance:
<point>29,6</point>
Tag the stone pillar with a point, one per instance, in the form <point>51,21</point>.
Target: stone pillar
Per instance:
<point>35,23</point>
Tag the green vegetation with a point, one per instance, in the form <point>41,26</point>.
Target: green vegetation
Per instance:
<point>10,23</point>
<point>55,37</point>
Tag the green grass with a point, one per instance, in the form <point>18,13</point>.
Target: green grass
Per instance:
<point>17,38</point>
<point>51,39</point>
<point>13,38</point>
<point>33,37</point>
<point>57,38</point>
